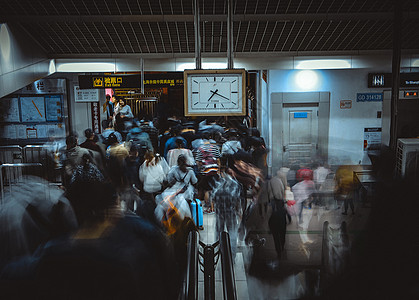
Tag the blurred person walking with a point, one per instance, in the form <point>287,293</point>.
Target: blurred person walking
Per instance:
<point>153,174</point>
<point>226,195</point>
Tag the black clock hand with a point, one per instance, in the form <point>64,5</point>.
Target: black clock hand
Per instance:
<point>219,94</point>
<point>213,93</point>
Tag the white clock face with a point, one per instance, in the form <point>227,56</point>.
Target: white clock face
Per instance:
<point>216,94</point>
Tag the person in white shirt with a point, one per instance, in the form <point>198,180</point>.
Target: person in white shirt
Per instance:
<point>153,173</point>
<point>173,154</point>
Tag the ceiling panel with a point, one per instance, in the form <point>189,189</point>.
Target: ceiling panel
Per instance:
<point>117,27</point>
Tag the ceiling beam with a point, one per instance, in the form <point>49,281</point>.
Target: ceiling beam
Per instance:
<point>204,18</point>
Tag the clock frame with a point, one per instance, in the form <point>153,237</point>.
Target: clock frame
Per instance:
<point>197,94</point>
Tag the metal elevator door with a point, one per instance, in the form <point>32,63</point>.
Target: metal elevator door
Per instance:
<point>300,133</point>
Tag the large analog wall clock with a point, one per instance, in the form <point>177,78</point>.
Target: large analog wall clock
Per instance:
<point>215,92</point>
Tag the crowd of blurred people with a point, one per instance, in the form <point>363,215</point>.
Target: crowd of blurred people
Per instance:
<point>123,211</point>
<point>119,223</point>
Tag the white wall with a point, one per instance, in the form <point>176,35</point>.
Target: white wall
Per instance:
<point>22,61</point>
<point>346,126</point>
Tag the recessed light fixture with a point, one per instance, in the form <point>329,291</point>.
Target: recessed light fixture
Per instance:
<point>86,67</point>
<point>324,64</point>
<point>205,66</point>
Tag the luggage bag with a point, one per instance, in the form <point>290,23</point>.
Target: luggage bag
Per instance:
<point>197,214</point>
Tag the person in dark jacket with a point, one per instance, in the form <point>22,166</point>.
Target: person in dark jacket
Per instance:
<point>112,255</point>
<point>153,133</point>
<point>141,139</point>
<point>91,143</point>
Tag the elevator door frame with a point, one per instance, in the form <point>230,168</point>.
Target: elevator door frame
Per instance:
<point>305,99</point>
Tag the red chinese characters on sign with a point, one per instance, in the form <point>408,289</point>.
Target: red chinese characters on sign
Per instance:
<point>95,117</point>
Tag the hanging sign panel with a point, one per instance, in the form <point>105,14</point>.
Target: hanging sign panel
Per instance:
<point>384,80</point>
<point>109,81</point>
<point>89,95</point>
<point>163,79</point>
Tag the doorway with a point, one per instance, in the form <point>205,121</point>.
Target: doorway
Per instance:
<point>299,127</point>
<point>300,133</point>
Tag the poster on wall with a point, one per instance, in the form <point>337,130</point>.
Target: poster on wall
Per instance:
<point>85,95</point>
<point>33,109</point>
<point>372,139</point>
<point>21,132</point>
<point>57,130</point>
<point>53,108</point>
<point>345,104</point>
<point>31,133</point>
<point>10,110</point>
<point>9,132</point>
<point>41,131</point>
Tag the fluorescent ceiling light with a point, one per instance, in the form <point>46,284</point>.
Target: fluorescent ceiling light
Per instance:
<point>324,64</point>
<point>86,67</point>
<point>205,65</point>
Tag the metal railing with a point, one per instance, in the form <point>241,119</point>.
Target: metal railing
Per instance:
<point>210,256</point>
<point>190,287</point>
<point>335,252</point>
<point>14,154</point>
<point>11,154</point>
<point>210,259</point>
<point>39,154</point>
<point>13,174</point>
<point>229,282</point>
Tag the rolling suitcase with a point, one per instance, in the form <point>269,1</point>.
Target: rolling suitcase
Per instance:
<point>197,214</point>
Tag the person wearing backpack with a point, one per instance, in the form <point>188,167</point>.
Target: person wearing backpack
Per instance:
<point>141,139</point>
<point>173,154</point>
<point>206,158</point>
<point>170,144</point>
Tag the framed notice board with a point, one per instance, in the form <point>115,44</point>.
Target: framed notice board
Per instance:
<point>32,109</point>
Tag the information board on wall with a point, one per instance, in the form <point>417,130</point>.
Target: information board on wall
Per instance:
<point>32,109</point>
<point>53,108</point>
<point>85,95</point>
<point>34,112</point>
<point>10,110</point>
<point>372,138</point>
